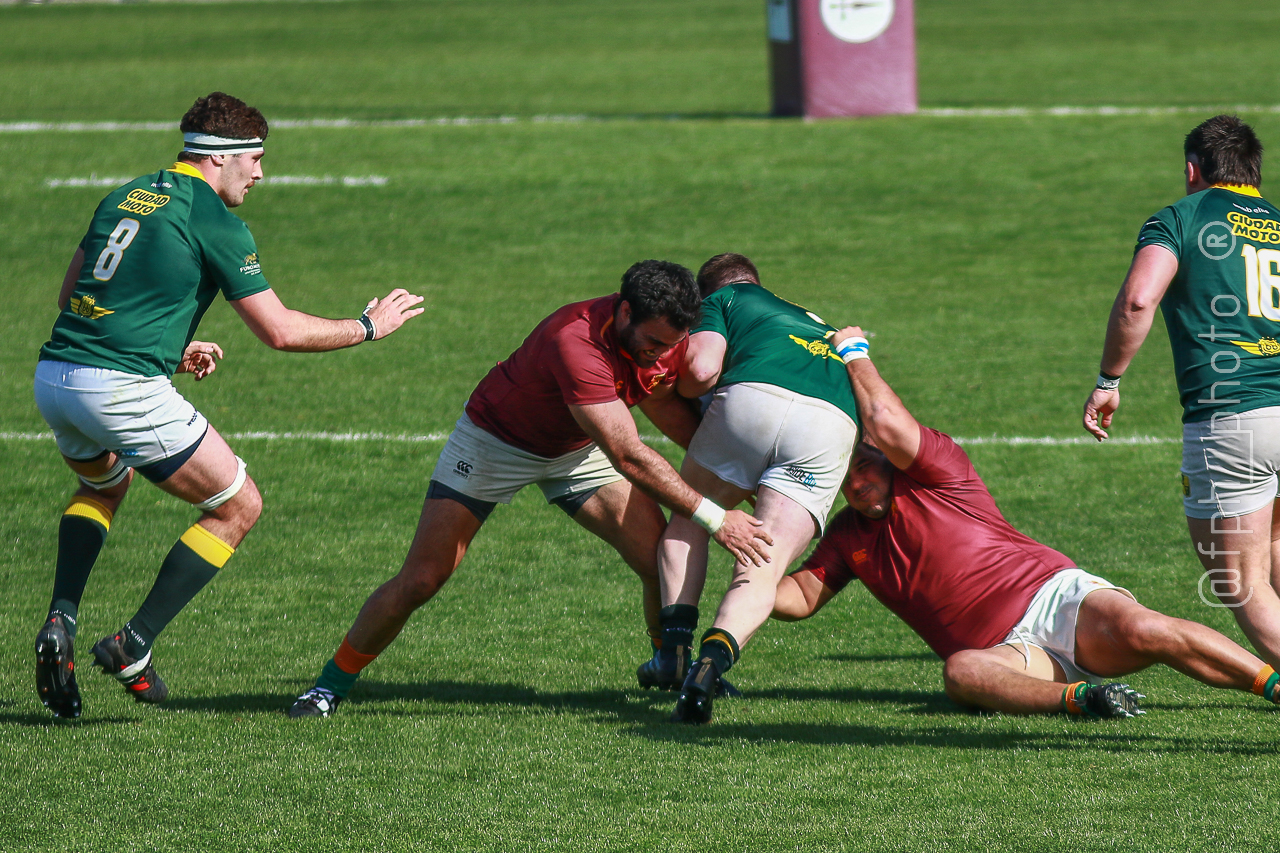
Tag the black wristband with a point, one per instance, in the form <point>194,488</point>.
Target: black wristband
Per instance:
<point>369,330</point>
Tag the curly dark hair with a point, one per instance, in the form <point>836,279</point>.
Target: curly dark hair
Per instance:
<point>219,114</point>
<point>1228,150</point>
<point>662,289</point>
<point>727,268</point>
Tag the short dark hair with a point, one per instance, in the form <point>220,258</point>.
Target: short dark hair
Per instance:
<point>219,114</point>
<point>662,289</point>
<point>727,268</point>
<point>1228,150</point>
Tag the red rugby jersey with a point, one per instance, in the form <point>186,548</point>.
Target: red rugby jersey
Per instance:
<point>573,357</point>
<point>943,559</point>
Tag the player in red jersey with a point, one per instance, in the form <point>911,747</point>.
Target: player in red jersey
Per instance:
<point>555,414</point>
<point>1022,630</point>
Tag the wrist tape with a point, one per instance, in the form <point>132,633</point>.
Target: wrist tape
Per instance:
<point>709,516</point>
<point>851,349</point>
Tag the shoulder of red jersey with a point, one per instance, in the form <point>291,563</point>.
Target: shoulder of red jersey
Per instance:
<point>939,460</point>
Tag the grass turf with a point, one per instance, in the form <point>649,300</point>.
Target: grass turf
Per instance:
<point>983,252</point>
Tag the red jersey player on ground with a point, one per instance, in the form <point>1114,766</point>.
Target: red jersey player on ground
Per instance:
<point>1022,630</point>
<point>555,414</point>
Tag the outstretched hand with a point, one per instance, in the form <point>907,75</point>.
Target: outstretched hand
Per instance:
<point>743,536</point>
<point>1098,410</point>
<point>391,312</point>
<point>200,358</point>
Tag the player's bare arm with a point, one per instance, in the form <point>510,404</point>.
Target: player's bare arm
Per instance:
<point>200,358</point>
<point>69,280</point>
<point>703,362</point>
<point>672,414</point>
<point>284,329</point>
<point>1132,313</point>
<point>799,596</point>
<point>611,426</point>
<point>887,421</point>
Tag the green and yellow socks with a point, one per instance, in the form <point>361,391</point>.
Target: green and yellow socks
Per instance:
<point>81,535</point>
<point>719,645</point>
<point>190,565</point>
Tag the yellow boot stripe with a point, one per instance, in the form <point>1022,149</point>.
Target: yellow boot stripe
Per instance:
<point>90,509</point>
<point>208,546</point>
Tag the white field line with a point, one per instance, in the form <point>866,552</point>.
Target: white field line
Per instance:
<point>270,180</point>
<point>401,438</point>
<point>471,121</point>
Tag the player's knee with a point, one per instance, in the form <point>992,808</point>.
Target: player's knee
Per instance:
<point>1151,634</point>
<point>112,483</point>
<point>110,495</point>
<point>420,579</point>
<point>956,671</point>
<point>416,588</point>
<point>243,509</point>
<point>249,504</point>
<point>959,674</point>
<point>644,565</point>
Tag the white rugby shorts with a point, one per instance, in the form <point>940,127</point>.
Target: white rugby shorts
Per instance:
<point>1229,463</point>
<point>482,466</point>
<point>1050,620</point>
<point>142,419</point>
<point>755,434</point>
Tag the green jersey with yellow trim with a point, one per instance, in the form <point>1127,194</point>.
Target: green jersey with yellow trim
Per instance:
<point>1222,309</point>
<point>156,254</point>
<point>776,342</point>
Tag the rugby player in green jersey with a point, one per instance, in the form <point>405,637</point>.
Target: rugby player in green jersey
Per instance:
<point>1212,263</point>
<point>158,251</point>
<point>781,426</point>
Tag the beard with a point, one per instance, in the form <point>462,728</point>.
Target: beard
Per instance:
<point>629,339</point>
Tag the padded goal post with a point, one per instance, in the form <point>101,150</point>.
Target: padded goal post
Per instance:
<point>842,57</point>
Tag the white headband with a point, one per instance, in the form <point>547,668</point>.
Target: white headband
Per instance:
<point>203,143</point>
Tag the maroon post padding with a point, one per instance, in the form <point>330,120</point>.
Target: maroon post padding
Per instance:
<point>842,57</point>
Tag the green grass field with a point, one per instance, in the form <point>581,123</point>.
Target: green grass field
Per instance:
<point>984,252</point>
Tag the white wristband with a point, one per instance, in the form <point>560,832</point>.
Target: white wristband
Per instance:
<point>852,349</point>
<point>1108,383</point>
<point>709,516</point>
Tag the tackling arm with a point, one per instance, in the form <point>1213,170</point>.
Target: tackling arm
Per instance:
<point>1150,275</point>
<point>703,362</point>
<point>672,414</point>
<point>800,595</point>
<point>887,421</point>
<point>283,328</point>
<point>611,426</point>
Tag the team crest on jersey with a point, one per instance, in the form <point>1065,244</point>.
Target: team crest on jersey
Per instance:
<point>251,265</point>
<point>87,306</point>
<point>1265,347</point>
<point>654,381</point>
<point>142,202</point>
<point>818,347</point>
